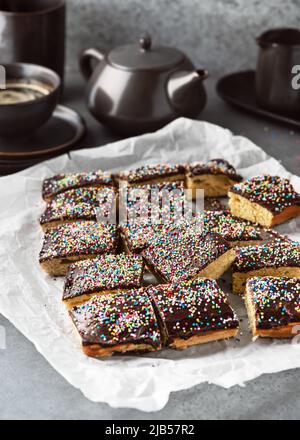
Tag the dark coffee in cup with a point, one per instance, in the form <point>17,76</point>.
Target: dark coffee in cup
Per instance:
<point>20,91</point>
<point>29,100</point>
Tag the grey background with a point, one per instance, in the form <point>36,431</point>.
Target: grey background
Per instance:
<point>217,34</point>
<point>31,389</point>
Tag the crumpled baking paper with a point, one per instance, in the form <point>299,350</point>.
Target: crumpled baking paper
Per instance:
<point>31,300</point>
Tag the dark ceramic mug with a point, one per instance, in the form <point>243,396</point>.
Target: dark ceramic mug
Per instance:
<point>23,118</point>
<point>33,31</point>
<point>279,54</point>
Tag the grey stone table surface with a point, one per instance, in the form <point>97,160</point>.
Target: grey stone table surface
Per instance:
<point>31,389</point>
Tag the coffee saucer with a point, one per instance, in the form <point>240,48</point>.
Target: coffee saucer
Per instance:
<point>238,89</point>
<point>63,130</point>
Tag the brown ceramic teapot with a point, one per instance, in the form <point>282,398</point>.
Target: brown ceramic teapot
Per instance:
<point>139,88</point>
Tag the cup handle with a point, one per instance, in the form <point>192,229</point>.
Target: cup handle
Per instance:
<point>86,61</point>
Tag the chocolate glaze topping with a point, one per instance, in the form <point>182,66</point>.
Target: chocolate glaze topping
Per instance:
<point>79,204</point>
<point>104,273</point>
<point>124,318</point>
<point>278,253</point>
<point>214,166</point>
<point>149,172</point>
<point>140,236</point>
<point>154,203</point>
<point>64,182</point>
<point>233,229</point>
<point>192,308</point>
<point>79,238</point>
<point>276,301</point>
<point>183,255</point>
<point>272,192</point>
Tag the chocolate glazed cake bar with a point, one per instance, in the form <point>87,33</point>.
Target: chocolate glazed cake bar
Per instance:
<point>266,200</point>
<point>65,244</point>
<point>273,306</point>
<point>193,312</point>
<point>149,174</point>
<point>214,177</point>
<point>138,237</point>
<point>64,182</point>
<point>154,203</point>
<point>102,275</point>
<point>120,323</point>
<point>188,255</point>
<point>79,204</point>
<point>277,258</point>
<point>236,231</point>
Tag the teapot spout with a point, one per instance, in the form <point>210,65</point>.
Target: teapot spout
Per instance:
<point>184,89</point>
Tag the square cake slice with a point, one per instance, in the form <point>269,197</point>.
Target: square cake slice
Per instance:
<point>266,200</point>
<point>79,204</point>
<point>276,258</point>
<point>188,255</point>
<point>214,177</point>
<point>137,237</point>
<point>273,306</point>
<point>193,312</point>
<point>120,323</point>
<point>64,182</point>
<point>154,203</point>
<point>65,244</point>
<point>149,174</point>
<point>236,231</point>
<point>102,275</point>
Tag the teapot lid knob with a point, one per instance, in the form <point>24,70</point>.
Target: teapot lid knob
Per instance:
<point>144,56</point>
<point>146,42</point>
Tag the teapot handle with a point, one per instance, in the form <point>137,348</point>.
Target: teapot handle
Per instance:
<point>86,59</point>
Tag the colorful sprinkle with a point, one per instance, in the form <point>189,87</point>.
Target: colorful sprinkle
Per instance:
<point>124,318</point>
<point>77,239</point>
<point>231,228</point>
<point>214,166</point>
<point>139,236</point>
<point>106,272</point>
<point>213,204</point>
<point>150,172</point>
<point>64,182</point>
<point>272,192</point>
<point>183,255</point>
<point>276,301</point>
<point>154,203</point>
<point>79,204</point>
<point>278,253</point>
<point>193,308</point>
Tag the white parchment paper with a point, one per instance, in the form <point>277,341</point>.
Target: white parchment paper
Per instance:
<point>31,300</point>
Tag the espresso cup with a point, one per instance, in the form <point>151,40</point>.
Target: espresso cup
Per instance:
<point>279,54</point>
<point>31,95</point>
<point>33,31</point>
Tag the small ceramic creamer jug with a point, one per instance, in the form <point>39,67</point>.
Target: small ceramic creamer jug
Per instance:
<point>279,59</point>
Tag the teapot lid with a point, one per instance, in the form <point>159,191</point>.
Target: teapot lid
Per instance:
<point>143,56</point>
